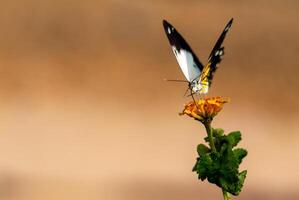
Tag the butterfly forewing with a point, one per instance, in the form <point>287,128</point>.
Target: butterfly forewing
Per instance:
<point>187,60</point>
<point>221,38</point>
<point>215,55</point>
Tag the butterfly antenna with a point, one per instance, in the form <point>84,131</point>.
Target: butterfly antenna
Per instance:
<point>191,93</point>
<point>174,80</point>
<point>194,100</point>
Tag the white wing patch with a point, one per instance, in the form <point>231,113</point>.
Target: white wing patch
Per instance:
<point>219,52</point>
<point>187,64</point>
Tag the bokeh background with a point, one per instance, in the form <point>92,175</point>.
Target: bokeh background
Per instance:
<point>85,113</point>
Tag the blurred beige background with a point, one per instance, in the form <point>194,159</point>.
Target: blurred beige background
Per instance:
<point>85,113</point>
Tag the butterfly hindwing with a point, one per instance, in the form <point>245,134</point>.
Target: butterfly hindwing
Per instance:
<point>187,60</point>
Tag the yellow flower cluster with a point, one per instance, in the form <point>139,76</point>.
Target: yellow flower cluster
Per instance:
<point>204,109</point>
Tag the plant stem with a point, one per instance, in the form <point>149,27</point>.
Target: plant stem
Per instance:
<point>210,136</point>
<point>225,195</point>
<point>212,145</point>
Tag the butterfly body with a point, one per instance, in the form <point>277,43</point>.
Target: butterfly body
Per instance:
<point>196,86</point>
<point>199,76</point>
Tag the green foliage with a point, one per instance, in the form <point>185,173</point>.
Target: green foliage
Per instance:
<point>202,149</point>
<point>222,167</point>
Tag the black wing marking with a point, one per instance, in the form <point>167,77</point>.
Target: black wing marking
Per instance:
<point>217,52</point>
<point>221,38</point>
<point>188,61</point>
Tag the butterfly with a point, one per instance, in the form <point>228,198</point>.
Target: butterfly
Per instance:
<point>198,76</point>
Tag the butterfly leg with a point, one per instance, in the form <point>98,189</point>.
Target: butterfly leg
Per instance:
<point>191,93</point>
<point>186,91</point>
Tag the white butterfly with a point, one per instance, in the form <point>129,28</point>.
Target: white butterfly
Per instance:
<point>198,76</point>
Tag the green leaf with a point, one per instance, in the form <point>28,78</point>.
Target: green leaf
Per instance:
<point>194,169</point>
<point>222,167</point>
<point>202,149</point>
<point>206,139</point>
<point>204,166</point>
<point>217,132</point>
<point>240,154</point>
<point>241,177</point>
<point>235,186</point>
<point>234,138</point>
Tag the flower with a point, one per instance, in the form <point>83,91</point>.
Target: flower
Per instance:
<point>205,109</point>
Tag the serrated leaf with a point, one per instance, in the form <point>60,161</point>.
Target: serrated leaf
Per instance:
<point>240,154</point>
<point>234,138</point>
<point>194,169</point>
<point>203,167</point>
<point>241,177</point>
<point>222,167</point>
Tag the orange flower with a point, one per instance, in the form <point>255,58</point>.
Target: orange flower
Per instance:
<point>205,109</point>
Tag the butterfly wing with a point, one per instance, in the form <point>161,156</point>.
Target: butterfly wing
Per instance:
<point>215,57</point>
<point>187,60</point>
